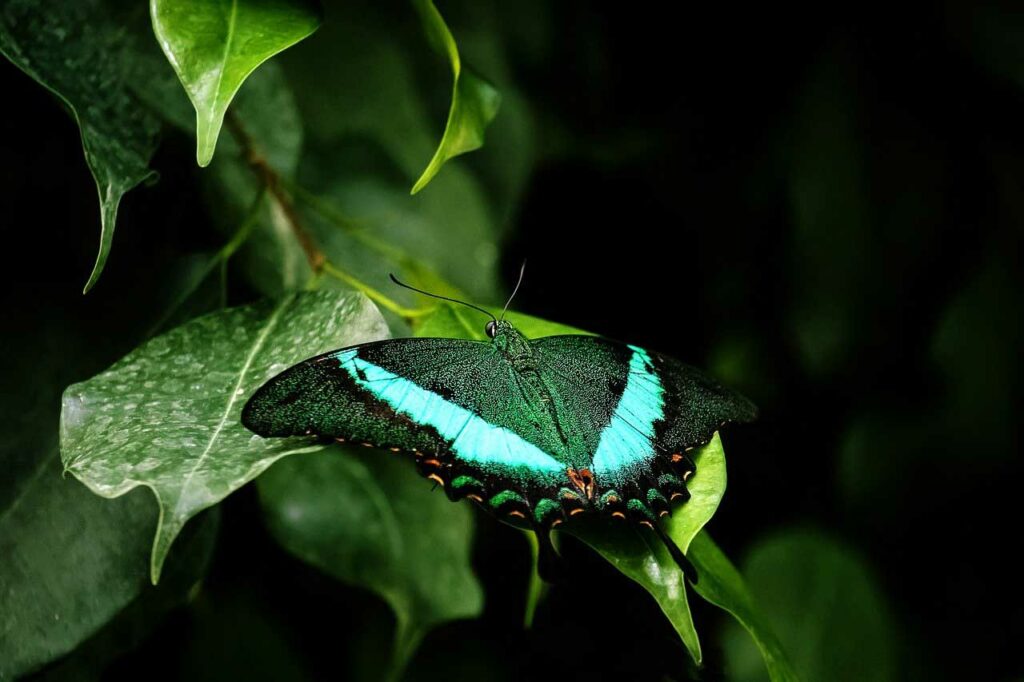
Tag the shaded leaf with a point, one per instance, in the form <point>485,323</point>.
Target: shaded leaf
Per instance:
<point>474,101</point>
<point>825,606</point>
<point>235,635</point>
<point>884,452</point>
<point>214,46</point>
<point>722,585</point>
<point>54,600</point>
<point>448,230</point>
<point>368,130</point>
<point>831,216</point>
<point>167,415</point>
<point>368,519</point>
<point>77,50</point>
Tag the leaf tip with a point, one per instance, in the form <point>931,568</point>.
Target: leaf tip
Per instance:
<point>110,199</point>
<point>421,183</point>
<point>207,133</point>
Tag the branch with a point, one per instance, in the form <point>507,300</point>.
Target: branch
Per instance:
<point>272,181</point>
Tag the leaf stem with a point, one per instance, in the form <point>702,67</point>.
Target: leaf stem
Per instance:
<point>358,231</point>
<point>283,190</point>
<point>407,640</point>
<point>272,181</point>
<point>536,588</point>
<point>381,299</point>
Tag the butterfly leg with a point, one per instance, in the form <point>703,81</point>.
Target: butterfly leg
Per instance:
<point>550,565</point>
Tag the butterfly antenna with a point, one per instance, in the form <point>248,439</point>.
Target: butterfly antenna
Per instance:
<point>522,269</point>
<point>443,298</point>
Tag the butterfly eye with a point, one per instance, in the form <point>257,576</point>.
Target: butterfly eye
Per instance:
<point>491,329</point>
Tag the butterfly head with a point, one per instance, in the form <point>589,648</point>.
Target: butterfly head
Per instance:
<point>495,327</point>
<point>507,339</point>
<point>498,328</point>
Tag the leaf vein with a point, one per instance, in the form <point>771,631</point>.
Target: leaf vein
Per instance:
<point>257,346</point>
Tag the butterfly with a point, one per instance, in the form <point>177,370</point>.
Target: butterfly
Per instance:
<point>536,431</point>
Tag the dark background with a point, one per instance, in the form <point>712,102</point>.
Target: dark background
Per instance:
<point>822,209</point>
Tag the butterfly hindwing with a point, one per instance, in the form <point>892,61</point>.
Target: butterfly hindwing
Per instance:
<point>630,405</point>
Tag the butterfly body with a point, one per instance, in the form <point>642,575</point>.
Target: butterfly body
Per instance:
<point>537,430</point>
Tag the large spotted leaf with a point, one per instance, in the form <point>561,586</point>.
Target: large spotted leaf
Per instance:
<point>167,415</point>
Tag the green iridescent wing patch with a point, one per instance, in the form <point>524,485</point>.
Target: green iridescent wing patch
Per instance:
<point>538,431</point>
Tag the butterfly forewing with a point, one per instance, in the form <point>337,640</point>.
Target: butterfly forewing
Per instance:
<point>451,398</point>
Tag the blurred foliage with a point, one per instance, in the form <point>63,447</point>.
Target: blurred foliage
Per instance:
<point>829,612</point>
<point>827,214</point>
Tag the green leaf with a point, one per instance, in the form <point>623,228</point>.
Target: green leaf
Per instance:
<point>722,585</point>
<point>825,605</point>
<point>78,51</point>
<point>448,230</point>
<point>474,101</point>
<point>167,415</point>
<point>367,126</point>
<point>214,46</point>
<point>644,559</point>
<point>368,519</point>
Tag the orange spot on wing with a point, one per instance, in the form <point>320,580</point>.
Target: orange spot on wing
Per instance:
<point>583,480</point>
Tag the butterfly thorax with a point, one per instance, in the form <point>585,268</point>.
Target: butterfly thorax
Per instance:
<point>515,347</point>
